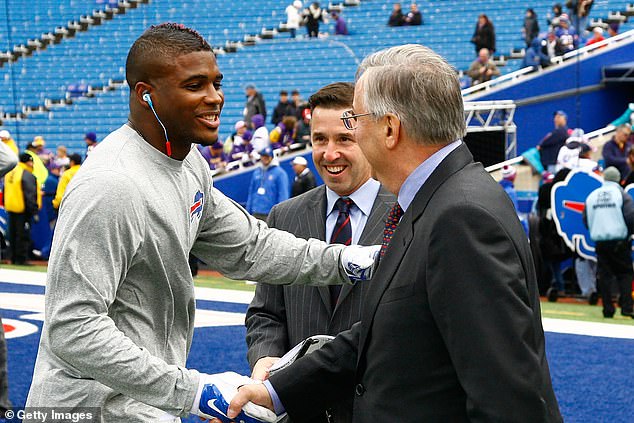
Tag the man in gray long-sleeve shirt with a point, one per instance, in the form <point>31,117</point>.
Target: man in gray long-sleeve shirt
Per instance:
<point>120,297</point>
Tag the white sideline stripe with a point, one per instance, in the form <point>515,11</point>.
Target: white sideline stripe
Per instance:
<point>27,277</point>
<point>578,327</point>
<point>205,318</point>
<point>23,277</point>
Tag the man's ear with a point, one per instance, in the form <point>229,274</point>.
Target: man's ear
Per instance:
<point>141,88</point>
<point>392,130</point>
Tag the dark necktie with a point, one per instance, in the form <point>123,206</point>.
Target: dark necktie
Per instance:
<point>341,234</point>
<point>393,217</point>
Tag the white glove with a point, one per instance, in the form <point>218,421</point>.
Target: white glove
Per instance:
<point>359,262</point>
<point>216,391</point>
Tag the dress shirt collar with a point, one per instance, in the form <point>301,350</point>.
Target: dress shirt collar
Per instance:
<point>363,197</point>
<point>417,178</point>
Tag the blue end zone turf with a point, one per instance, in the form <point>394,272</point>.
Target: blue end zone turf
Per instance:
<point>591,375</point>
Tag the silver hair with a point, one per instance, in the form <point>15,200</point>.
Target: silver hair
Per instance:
<point>623,127</point>
<point>419,87</point>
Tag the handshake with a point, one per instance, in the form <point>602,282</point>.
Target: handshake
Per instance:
<point>216,391</point>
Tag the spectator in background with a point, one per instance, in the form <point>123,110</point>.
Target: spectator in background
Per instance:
<point>61,158</point>
<point>616,151</point>
<point>597,36</point>
<point>235,139</point>
<point>534,56</point>
<point>39,147</point>
<point>260,139</point>
<point>530,30</point>
<point>5,137</point>
<point>482,69</point>
<point>508,183</point>
<point>579,10</point>
<point>312,17</point>
<point>630,176</point>
<point>551,47</point>
<point>340,24</point>
<point>613,29</point>
<point>255,104</point>
<point>283,134</point>
<point>553,248</point>
<point>413,17</point>
<point>284,108</point>
<point>575,153</point>
<point>484,35</point>
<point>75,163</point>
<point>302,135</point>
<point>269,186</point>
<point>609,216</point>
<point>553,18</point>
<point>91,142</point>
<point>298,103</point>
<point>293,17</point>
<point>214,155</point>
<point>22,200</point>
<point>567,35</point>
<point>550,145</point>
<point>304,179</point>
<point>39,168</point>
<point>48,194</point>
<point>244,151</point>
<point>396,17</point>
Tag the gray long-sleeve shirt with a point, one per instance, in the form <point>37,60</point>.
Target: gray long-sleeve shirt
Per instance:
<point>120,299</point>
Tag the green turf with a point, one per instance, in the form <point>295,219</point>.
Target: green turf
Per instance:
<point>33,268</point>
<point>222,283</point>
<point>581,311</point>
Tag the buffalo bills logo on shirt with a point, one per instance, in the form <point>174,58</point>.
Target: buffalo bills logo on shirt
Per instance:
<point>196,208</point>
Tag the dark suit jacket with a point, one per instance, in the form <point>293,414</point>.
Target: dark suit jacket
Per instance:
<point>451,329</point>
<point>302,184</point>
<point>279,317</point>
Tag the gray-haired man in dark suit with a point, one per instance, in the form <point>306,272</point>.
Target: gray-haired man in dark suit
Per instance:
<point>280,317</point>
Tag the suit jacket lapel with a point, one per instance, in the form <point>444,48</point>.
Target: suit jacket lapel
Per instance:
<point>315,216</point>
<point>404,234</point>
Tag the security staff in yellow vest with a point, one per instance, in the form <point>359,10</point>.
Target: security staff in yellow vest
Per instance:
<point>75,163</point>
<point>22,200</point>
<point>39,168</point>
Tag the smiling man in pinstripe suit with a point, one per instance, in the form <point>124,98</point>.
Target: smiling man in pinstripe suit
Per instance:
<point>280,317</point>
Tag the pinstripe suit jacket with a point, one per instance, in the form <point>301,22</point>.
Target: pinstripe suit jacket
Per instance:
<point>281,316</point>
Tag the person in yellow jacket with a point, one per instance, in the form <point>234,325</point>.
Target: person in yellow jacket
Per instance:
<point>5,137</point>
<point>75,163</point>
<point>22,200</point>
<point>39,168</point>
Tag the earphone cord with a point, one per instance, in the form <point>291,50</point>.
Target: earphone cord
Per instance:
<point>168,146</point>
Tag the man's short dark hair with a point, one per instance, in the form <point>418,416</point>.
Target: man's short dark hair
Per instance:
<point>283,92</point>
<point>160,44</point>
<point>25,157</point>
<point>338,95</point>
<point>75,158</point>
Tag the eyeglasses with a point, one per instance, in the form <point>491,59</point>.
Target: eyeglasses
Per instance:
<point>350,119</point>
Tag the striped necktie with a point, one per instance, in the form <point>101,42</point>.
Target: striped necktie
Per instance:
<point>393,217</point>
<point>341,234</point>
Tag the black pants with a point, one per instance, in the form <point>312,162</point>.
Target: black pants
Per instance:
<point>19,237</point>
<point>614,260</point>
